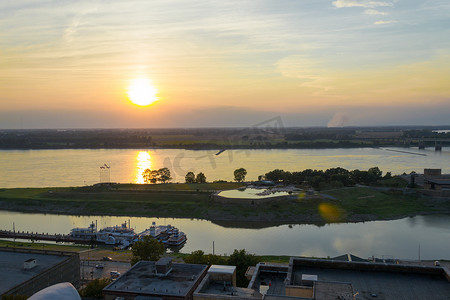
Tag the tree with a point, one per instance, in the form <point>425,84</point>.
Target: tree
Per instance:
<point>199,257</point>
<point>316,181</point>
<point>242,260</point>
<point>94,288</point>
<point>375,171</point>
<point>239,174</point>
<point>150,176</point>
<point>276,175</point>
<point>190,177</point>
<point>147,249</point>
<point>201,178</point>
<point>164,175</point>
<point>196,257</point>
<point>154,176</point>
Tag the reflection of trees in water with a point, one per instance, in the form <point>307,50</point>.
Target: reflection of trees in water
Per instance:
<point>261,225</point>
<point>434,221</point>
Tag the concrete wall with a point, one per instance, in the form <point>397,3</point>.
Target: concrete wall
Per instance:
<point>263,267</point>
<point>198,295</point>
<point>66,271</point>
<point>132,296</point>
<point>224,277</point>
<point>432,172</point>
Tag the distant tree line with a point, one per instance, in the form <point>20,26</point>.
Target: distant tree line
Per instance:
<point>239,176</point>
<point>336,177</point>
<point>210,138</point>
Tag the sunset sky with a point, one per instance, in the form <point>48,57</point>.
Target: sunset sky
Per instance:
<point>70,64</point>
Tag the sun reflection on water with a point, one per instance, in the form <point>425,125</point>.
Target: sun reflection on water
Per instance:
<point>143,161</point>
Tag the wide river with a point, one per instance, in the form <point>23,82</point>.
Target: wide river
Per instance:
<point>399,238</point>
<point>44,168</point>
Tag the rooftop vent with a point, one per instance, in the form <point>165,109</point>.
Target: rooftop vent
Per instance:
<point>163,266</point>
<point>29,264</point>
<point>308,279</point>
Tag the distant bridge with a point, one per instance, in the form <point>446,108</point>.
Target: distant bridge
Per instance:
<point>437,142</point>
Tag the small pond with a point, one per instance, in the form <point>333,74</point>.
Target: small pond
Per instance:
<point>252,193</point>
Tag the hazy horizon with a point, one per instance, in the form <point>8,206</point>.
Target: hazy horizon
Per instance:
<point>209,63</point>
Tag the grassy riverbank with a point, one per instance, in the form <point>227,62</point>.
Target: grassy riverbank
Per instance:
<point>43,246</point>
<point>193,201</point>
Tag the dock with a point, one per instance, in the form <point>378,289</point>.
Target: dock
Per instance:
<point>35,236</point>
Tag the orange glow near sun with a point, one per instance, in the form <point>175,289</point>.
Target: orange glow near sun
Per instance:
<point>142,92</point>
<point>143,161</point>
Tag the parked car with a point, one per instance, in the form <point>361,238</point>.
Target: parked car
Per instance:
<point>114,274</point>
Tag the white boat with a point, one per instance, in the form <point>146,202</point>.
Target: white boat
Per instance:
<point>125,236</point>
<point>166,234</point>
<point>177,238</point>
<point>88,233</point>
<point>116,235</point>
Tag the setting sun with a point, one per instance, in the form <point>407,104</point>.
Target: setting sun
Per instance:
<point>142,92</point>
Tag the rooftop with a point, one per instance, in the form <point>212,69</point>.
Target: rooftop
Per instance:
<point>142,279</point>
<point>386,282</point>
<point>218,288</point>
<point>349,257</point>
<point>332,290</point>
<point>269,279</point>
<point>13,272</point>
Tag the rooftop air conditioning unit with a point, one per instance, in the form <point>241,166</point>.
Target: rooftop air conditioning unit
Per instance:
<point>29,264</point>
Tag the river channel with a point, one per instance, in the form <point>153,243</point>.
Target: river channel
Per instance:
<point>68,167</point>
<point>427,236</point>
<point>398,238</point>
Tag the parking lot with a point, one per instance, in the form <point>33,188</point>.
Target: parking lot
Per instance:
<point>89,271</point>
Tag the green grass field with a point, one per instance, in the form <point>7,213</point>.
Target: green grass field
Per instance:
<point>384,205</point>
<point>43,246</point>
<point>194,201</point>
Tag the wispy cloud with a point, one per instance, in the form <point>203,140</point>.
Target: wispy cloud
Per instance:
<point>370,5</point>
<point>383,22</point>
<point>361,3</point>
<point>374,12</point>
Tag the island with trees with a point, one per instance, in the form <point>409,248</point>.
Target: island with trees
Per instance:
<point>351,196</point>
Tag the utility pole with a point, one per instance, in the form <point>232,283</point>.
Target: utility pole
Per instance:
<point>419,251</point>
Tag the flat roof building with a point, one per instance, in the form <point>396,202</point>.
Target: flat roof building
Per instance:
<point>314,279</point>
<point>220,283</point>
<point>369,280</point>
<point>269,279</point>
<point>157,280</point>
<point>25,271</point>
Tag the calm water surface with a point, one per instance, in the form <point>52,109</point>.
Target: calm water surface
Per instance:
<point>399,238</point>
<point>41,168</point>
<point>249,193</point>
